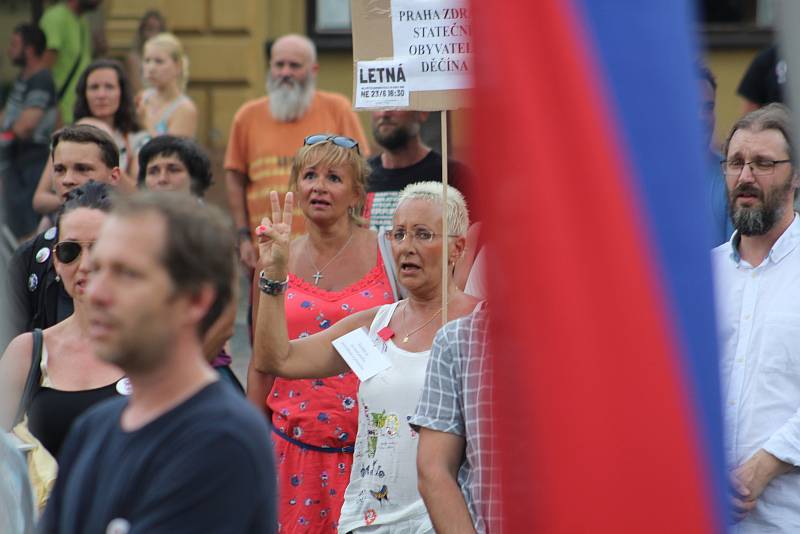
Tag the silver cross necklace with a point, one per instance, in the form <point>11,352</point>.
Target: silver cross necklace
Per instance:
<point>318,275</point>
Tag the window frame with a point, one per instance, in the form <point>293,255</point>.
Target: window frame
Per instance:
<point>326,40</point>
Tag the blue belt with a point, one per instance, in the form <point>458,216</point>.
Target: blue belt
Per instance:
<point>306,446</point>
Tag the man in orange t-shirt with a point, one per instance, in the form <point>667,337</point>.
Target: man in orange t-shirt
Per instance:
<point>267,132</point>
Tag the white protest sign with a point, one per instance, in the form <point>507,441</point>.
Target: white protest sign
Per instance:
<point>429,39</point>
<point>432,39</point>
<point>361,354</point>
<point>381,84</point>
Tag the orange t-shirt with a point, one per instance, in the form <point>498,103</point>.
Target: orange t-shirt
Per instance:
<point>262,148</point>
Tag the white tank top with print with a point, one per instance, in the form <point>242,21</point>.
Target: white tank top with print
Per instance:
<point>383,481</point>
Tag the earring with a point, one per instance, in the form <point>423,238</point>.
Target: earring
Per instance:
<point>58,278</point>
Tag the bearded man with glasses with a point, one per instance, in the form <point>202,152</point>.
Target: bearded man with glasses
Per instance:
<point>758,299</point>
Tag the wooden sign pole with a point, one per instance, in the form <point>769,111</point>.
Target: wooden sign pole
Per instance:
<point>445,248</point>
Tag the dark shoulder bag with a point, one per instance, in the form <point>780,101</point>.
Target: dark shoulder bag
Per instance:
<point>34,376</point>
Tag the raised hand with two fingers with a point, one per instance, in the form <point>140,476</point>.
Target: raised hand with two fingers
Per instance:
<point>273,237</point>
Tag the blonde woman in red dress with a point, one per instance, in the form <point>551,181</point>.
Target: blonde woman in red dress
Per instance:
<point>335,270</point>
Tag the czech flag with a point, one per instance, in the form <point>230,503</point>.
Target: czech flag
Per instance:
<point>589,150</point>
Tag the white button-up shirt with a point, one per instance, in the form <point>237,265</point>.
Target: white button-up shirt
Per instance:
<point>758,312</point>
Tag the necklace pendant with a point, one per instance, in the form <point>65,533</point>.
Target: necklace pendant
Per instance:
<point>405,339</point>
<point>317,277</point>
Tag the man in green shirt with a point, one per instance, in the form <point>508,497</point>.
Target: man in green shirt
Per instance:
<point>69,48</point>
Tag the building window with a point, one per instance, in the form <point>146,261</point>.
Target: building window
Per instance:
<point>737,23</point>
<point>328,24</point>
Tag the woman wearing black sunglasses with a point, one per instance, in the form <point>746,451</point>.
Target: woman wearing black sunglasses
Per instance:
<point>71,378</point>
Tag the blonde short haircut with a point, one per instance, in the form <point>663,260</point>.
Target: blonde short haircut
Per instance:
<point>174,48</point>
<point>330,155</point>
<point>457,214</point>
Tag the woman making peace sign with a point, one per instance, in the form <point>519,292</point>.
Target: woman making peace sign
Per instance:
<point>335,269</point>
<point>383,481</point>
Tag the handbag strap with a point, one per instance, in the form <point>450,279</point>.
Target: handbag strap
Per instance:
<point>74,69</point>
<point>34,376</point>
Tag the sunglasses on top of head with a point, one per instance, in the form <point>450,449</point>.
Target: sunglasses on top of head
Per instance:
<point>69,251</point>
<point>338,140</point>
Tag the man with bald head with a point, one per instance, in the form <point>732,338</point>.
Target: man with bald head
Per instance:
<point>267,132</point>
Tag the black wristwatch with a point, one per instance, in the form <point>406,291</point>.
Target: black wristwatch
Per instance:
<point>244,233</point>
<point>271,287</point>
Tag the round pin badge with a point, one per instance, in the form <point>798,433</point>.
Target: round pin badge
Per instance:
<point>124,386</point>
<point>42,255</point>
<point>118,526</point>
<point>50,234</point>
<point>33,282</point>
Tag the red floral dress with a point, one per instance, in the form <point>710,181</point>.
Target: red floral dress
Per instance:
<point>315,421</point>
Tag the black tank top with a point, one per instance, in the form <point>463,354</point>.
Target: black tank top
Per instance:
<point>52,412</point>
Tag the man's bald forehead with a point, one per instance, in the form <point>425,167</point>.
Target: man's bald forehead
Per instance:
<point>296,42</point>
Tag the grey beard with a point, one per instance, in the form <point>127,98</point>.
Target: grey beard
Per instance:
<point>289,103</point>
<point>756,221</point>
<point>760,220</point>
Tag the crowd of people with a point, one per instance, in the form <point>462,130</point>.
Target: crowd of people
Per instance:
<point>361,412</point>
<point>59,85</point>
<point>123,298</point>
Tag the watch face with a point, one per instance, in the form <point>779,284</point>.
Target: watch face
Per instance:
<point>271,287</point>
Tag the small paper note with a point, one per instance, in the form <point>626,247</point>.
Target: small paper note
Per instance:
<point>380,84</point>
<point>361,354</point>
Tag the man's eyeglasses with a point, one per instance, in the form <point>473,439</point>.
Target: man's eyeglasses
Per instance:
<point>338,140</point>
<point>758,167</point>
<point>423,236</point>
<point>68,251</point>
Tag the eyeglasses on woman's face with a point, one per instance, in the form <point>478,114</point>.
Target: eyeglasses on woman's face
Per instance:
<point>422,235</point>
